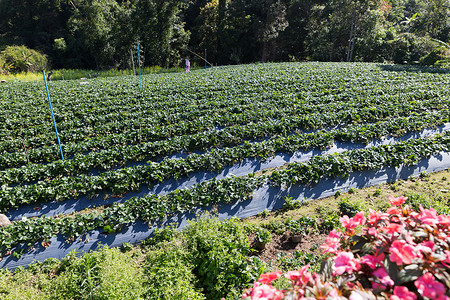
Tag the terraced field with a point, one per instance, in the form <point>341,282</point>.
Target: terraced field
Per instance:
<point>131,153</point>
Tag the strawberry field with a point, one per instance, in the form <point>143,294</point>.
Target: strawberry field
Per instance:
<point>131,154</point>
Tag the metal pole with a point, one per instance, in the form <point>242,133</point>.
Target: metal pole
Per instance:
<point>140,76</point>
<point>53,117</point>
<point>205,60</point>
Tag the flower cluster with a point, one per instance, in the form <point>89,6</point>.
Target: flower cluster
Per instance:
<point>398,255</point>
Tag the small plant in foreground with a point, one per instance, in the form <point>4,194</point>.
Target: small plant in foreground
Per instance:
<point>290,203</point>
<point>400,254</point>
<point>347,207</point>
<point>263,236</point>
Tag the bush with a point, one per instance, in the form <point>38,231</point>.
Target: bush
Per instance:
<point>219,252</point>
<point>431,58</point>
<point>169,274</point>
<point>104,274</point>
<point>3,69</point>
<point>22,59</point>
<point>409,48</point>
<point>400,254</point>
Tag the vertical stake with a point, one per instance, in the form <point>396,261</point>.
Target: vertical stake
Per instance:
<point>132,60</point>
<point>53,117</point>
<point>205,60</point>
<point>140,77</point>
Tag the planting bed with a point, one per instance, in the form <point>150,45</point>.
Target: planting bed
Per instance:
<point>192,141</point>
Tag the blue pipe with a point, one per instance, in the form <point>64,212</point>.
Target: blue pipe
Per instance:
<point>53,117</point>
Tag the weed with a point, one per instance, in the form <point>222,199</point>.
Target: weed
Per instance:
<point>377,193</point>
<point>291,204</point>
<point>346,207</point>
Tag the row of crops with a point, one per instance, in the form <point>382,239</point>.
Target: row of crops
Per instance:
<point>119,140</point>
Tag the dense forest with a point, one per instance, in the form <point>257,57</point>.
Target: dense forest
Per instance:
<point>104,33</point>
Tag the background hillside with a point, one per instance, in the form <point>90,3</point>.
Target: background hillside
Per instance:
<point>102,33</point>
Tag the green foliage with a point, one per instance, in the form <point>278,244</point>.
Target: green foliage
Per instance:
<point>409,48</point>
<point>290,203</point>
<point>160,27</point>
<point>329,222</point>
<point>415,200</point>
<point>298,260</point>
<point>377,193</point>
<point>116,128</point>
<point>101,33</point>
<point>219,252</point>
<point>302,226</point>
<point>104,274</point>
<point>263,236</point>
<point>3,69</point>
<point>169,273</point>
<point>346,207</point>
<point>431,58</point>
<point>22,59</point>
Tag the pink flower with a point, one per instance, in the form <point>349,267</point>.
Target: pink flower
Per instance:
<point>371,261</point>
<point>444,220</point>
<point>267,278</point>
<point>300,277</point>
<point>345,262</point>
<point>350,223</point>
<point>375,216</point>
<point>265,292</point>
<point>373,231</point>
<point>426,247</point>
<point>359,218</point>
<point>427,286</point>
<point>428,216</point>
<point>401,252</point>
<point>383,276</point>
<point>392,228</point>
<point>393,211</point>
<point>347,222</point>
<point>402,293</point>
<point>397,201</point>
<point>332,242</point>
<point>334,294</point>
<point>378,286</point>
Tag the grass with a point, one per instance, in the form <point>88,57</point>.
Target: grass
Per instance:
<point>431,189</point>
<point>73,74</point>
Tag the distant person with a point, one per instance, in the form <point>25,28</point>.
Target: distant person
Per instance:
<point>188,65</point>
<point>49,77</point>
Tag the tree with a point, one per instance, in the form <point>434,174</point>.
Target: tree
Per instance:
<point>93,22</point>
<point>34,23</point>
<point>274,21</point>
<point>159,26</point>
<point>339,30</point>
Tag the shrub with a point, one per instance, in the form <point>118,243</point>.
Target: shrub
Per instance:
<point>104,274</point>
<point>220,254</point>
<point>22,59</point>
<point>400,254</point>
<point>169,273</point>
<point>3,69</point>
